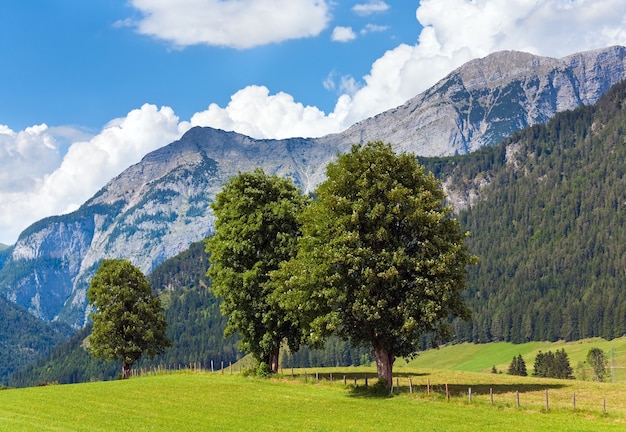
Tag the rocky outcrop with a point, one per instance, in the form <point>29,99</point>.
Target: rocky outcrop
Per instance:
<point>487,99</point>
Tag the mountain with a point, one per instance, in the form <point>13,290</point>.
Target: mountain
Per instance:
<point>486,100</point>
<point>547,222</point>
<point>158,207</point>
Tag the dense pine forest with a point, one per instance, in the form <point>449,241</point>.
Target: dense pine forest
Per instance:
<point>549,229</point>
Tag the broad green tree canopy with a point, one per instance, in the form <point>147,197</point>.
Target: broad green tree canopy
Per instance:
<point>381,260</point>
<point>256,229</point>
<point>128,319</point>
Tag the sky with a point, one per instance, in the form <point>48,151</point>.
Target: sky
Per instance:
<point>87,88</point>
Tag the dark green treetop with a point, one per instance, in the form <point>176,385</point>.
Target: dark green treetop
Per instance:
<point>381,262</point>
<point>256,229</point>
<point>128,319</point>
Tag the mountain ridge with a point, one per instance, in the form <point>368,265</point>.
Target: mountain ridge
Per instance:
<point>158,207</point>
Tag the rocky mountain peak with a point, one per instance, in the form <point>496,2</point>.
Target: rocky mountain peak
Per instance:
<point>158,207</point>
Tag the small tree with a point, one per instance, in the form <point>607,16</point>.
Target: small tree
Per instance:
<point>598,361</point>
<point>128,319</point>
<point>518,366</point>
<point>256,229</point>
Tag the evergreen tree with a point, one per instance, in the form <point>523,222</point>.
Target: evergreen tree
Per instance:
<point>518,366</point>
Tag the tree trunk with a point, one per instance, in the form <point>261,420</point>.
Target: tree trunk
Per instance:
<point>273,360</point>
<point>126,370</point>
<point>384,365</point>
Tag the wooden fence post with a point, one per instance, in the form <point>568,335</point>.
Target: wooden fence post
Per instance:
<point>574,400</point>
<point>447,392</point>
<point>469,394</point>
<point>411,385</point>
<point>428,387</point>
<point>516,398</point>
<point>547,401</point>
<point>491,395</point>
<point>604,406</point>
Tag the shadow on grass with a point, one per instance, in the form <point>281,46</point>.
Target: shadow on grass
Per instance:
<point>455,390</point>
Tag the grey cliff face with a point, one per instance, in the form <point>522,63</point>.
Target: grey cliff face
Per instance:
<point>487,99</point>
<point>158,207</point>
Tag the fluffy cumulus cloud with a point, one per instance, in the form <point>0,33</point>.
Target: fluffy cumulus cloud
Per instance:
<point>343,34</point>
<point>231,23</point>
<point>44,175</point>
<point>254,112</point>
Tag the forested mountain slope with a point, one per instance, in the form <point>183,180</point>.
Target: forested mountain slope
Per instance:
<point>195,326</point>
<point>548,223</point>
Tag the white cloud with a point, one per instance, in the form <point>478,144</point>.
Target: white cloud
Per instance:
<point>254,112</point>
<point>343,34</point>
<point>40,179</point>
<point>373,28</point>
<point>231,23</point>
<point>374,6</point>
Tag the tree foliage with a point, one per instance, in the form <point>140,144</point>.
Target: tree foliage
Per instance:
<point>381,262</point>
<point>518,366</point>
<point>256,229</point>
<point>598,361</point>
<point>128,319</point>
<point>553,365</point>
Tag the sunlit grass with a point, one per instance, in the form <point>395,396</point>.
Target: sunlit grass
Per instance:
<point>195,401</point>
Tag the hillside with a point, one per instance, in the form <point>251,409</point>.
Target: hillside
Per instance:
<point>547,221</point>
<point>195,326</point>
<point>24,338</point>
<point>158,207</point>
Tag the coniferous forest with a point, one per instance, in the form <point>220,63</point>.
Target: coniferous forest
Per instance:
<point>549,229</point>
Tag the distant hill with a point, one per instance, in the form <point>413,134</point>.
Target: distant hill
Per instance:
<point>24,338</point>
<point>3,246</point>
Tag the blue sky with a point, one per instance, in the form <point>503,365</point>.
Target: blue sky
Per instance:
<point>90,87</point>
<point>83,63</point>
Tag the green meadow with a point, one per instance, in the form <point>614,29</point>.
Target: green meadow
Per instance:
<point>203,401</point>
<point>335,399</point>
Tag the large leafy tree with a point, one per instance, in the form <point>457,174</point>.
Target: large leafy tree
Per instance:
<point>256,229</point>
<point>381,261</point>
<point>128,319</point>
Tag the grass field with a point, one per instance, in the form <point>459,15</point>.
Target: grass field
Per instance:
<point>204,401</point>
<point>482,357</point>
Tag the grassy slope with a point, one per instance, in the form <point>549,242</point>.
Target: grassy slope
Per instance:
<point>204,401</point>
<point>481,358</point>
